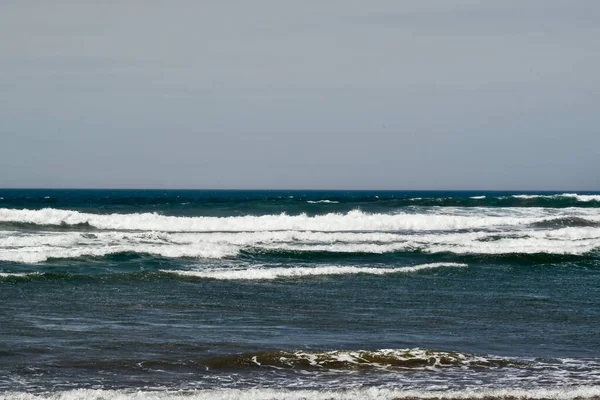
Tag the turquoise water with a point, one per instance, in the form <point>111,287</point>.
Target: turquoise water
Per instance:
<point>299,294</point>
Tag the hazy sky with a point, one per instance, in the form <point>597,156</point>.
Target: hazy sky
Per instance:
<point>388,94</point>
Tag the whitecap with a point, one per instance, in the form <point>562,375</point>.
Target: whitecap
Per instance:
<point>352,221</point>
<point>18,274</point>
<point>41,246</point>
<point>365,393</point>
<point>322,201</point>
<point>262,273</point>
<point>578,197</point>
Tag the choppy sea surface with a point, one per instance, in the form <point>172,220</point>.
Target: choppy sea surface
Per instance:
<point>148,294</point>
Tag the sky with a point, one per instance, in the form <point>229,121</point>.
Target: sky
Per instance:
<point>312,94</point>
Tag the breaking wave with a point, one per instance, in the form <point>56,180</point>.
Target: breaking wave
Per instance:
<point>412,359</point>
<point>575,196</point>
<point>372,393</point>
<point>296,272</point>
<point>566,221</point>
<point>34,236</point>
<point>18,274</point>
<point>352,221</point>
<point>41,246</point>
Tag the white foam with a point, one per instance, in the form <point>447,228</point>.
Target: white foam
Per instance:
<point>41,246</point>
<point>574,241</point>
<point>478,197</point>
<point>383,359</point>
<point>322,201</point>
<point>446,218</point>
<point>39,254</point>
<point>578,197</point>
<point>369,393</point>
<point>18,274</point>
<point>459,230</point>
<point>293,272</point>
<point>582,197</point>
<point>352,221</point>
<point>50,239</point>
<point>36,248</point>
<point>268,239</point>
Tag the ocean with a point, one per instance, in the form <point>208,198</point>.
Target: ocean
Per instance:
<point>198,294</point>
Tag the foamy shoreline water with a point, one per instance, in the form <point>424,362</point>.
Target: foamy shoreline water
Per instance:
<point>583,393</point>
<point>452,230</point>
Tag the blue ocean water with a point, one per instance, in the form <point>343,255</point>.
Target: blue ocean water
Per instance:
<point>299,294</point>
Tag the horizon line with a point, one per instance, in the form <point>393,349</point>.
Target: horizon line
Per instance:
<point>301,190</point>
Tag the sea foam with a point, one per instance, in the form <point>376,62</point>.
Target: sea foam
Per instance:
<point>369,393</point>
<point>295,272</point>
<point>18,274</point>
<point>352,221</point>
<point>457,230</point>
<point>578,197</point>
<point>41,246</point>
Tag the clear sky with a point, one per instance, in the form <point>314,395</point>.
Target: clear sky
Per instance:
<point>331,94</point>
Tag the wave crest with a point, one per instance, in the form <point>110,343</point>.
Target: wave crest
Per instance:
<point>578,197</point>
<point>296,272</point>
<point>367,393</point>
<point>416,358</point>
<point>355,220</point>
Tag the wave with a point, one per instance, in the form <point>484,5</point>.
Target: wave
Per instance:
<point>142,276</point>
<point>355,220</point>
<point>578,197</point>
<point>411,373</point>
<point>227,203</point>
<point>42,246</point>
<point>556,200</point>
<point>29,226</point>
<point>19,274</point>
<point>557,196</point>
<point>580,392</point>
<point>588,260</point>
<point>247,268</point>
<point>459,231</point>
<point>464,244</point>
<point>45,253</point>
<point>566,221</point>
<point>413,359</point>
<point>296,272</point>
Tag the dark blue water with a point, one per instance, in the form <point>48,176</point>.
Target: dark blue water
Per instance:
<point>299,294</point>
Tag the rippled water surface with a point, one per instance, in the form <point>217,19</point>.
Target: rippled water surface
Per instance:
<point>291,294</point>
